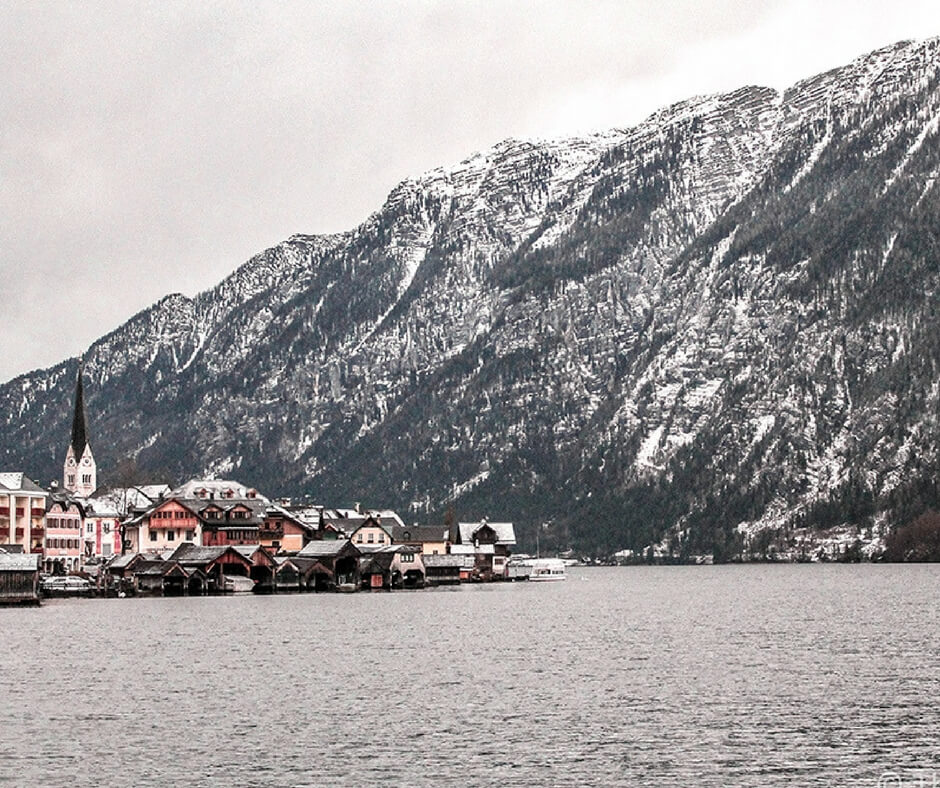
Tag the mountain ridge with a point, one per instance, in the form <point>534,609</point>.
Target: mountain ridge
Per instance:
<point>562,331</point>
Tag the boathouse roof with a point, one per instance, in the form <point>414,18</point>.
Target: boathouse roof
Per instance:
<point>19,562</point>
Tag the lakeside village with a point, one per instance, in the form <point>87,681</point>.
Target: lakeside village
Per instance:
<point>211,536</point>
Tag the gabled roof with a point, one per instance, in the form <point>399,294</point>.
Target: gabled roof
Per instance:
<point>348,520</point>
<point>189,554</point>
<point>140,517</point>
<point>275,510</point>
<point>249,551</point>
<point>505,533</point>
<point>326,548</point>
<point>344,524</point>
<point>65,499</point>
<point>304,566</point>
<point>257,507</point>
<point>375,522</point>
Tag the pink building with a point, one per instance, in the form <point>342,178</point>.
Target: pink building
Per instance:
<point>22,512</point>
<point>101,529</point>
<point>63,544</point>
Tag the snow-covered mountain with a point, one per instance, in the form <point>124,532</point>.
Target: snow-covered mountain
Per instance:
<point>713,331</point>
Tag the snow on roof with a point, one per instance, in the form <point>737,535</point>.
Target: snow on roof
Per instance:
<point>101,507</point>
<point>19,562</point>
<point>19,482</point>
<point>325,548</point>
<point>127,498</point>
<point>452,560</point>
<point>153,491</point>
<point>214,488</point>
<point>505,532</point>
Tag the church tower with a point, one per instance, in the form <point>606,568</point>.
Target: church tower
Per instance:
<point>80,474</point>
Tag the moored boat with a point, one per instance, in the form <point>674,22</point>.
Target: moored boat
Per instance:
<point>542,569</point>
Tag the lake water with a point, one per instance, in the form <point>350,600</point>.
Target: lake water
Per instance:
<point>706,676</point>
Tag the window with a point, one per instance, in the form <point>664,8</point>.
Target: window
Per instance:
<point>190,535</point>
<point>371,537</point>
<point>153,536</point>
<point>407,558</point>
<point>71,479</point>
<point>170,536</point>
<point>358,538</point>
<point>381,538</point>
<point>86,478</point>
<point>90,528</point>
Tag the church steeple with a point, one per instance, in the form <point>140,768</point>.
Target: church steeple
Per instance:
<point>79,434</point>
<point>80,472</point>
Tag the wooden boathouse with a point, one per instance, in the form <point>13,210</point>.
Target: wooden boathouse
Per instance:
<point>19,578</point>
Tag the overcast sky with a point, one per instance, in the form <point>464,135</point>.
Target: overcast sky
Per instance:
<point>152,147</point>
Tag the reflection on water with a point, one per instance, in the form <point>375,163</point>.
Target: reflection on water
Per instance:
<point>750,675</point>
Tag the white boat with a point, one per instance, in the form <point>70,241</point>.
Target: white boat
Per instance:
<point>542,569</point>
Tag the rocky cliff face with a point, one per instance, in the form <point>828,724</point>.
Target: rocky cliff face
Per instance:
<point>714,332</point>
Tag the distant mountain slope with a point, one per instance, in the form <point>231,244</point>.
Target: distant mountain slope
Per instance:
<point>711,331</point>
